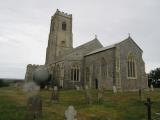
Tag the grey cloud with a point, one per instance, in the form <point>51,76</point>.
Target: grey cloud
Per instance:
<point>24,28</point>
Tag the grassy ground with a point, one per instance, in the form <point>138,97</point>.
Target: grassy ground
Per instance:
<point>120,106</point>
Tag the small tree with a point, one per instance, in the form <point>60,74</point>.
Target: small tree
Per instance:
<point>3,84</point>
<point>154,75</point>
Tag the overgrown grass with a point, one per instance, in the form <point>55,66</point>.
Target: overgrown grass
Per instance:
<point>120,106</point>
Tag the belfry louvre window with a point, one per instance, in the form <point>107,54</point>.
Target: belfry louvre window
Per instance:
<point>64,26</point>
<point>75,73</point>
<point>131,67</point>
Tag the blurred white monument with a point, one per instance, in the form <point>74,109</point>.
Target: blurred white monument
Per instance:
<point>71,113</point>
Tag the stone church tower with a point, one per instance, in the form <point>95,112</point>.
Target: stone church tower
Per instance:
<point>60,36</point>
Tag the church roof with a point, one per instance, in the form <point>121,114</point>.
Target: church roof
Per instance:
<point>101,49</point>
<point>129,38</point>
<point>111,46</point>
<point>88,44</point>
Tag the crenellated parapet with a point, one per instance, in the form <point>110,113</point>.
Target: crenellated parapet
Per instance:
<point>29,71</point>
<point>63,14</point>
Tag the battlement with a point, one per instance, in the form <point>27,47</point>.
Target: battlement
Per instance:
<point>33,65</point>
<point>29,71</point>
<point>63,14</point>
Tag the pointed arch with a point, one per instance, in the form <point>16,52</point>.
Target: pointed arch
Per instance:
<point>75,72</point>
<point>131,66</point>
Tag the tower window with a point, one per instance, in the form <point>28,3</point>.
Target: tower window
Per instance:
<point>64,26</point>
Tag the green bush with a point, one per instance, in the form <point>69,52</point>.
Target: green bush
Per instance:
<point>3,84</point>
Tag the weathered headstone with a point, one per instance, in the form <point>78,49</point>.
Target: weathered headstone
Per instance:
<point>77,88</point>
<point>88,95</point>
<point>71,113</point>
<point>34,108</point>
<point>100,94</point>
<point>152,88</point>
<point>55,95</point>
<point>148,104</point>
<point>140,92</point>
<point>34,102</point>
<point>114,89</point>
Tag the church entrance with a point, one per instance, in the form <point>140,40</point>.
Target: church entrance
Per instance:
<point>96,83</point>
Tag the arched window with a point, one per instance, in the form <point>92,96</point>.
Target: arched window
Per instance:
<point>75,73</point>
<point>131,66</point>
<point>64,26</point>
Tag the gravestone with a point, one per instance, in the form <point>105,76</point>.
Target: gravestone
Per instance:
<point>55,95</point>
<point>88,95</point>
<point>77,88</point>
<point>148,105</point>
<point>34,108</point>
<point>140,92</point>
<point>114,89</point>
<point>152,88</point>
<point>70,113</point>
<point>100,94</point>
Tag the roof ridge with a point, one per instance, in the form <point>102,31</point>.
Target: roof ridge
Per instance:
<point>89,42</point>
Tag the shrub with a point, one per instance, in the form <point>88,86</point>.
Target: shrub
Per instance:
<point>3,84</point>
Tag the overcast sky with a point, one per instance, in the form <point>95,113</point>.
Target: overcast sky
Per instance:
<point>24,28</point>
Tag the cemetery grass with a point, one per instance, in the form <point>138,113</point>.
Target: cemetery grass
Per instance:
<point>120,106</point>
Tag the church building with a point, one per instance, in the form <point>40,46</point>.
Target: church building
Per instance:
<point>120,65</point>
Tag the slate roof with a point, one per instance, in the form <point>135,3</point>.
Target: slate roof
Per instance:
<point>101,49</point>
<point>87,44</point>
<point>111,46</point>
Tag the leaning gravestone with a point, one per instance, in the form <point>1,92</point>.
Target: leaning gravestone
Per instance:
<point>114,89</point>
<point>88,95</point>
<point>70,113</point>
<point>55,95</point>
<point>34,108</point>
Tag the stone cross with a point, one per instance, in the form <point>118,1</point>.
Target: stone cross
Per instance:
<point>70,113</point>
<point>88,95</point>
<point>114,89</point>
<point>55,95</point>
